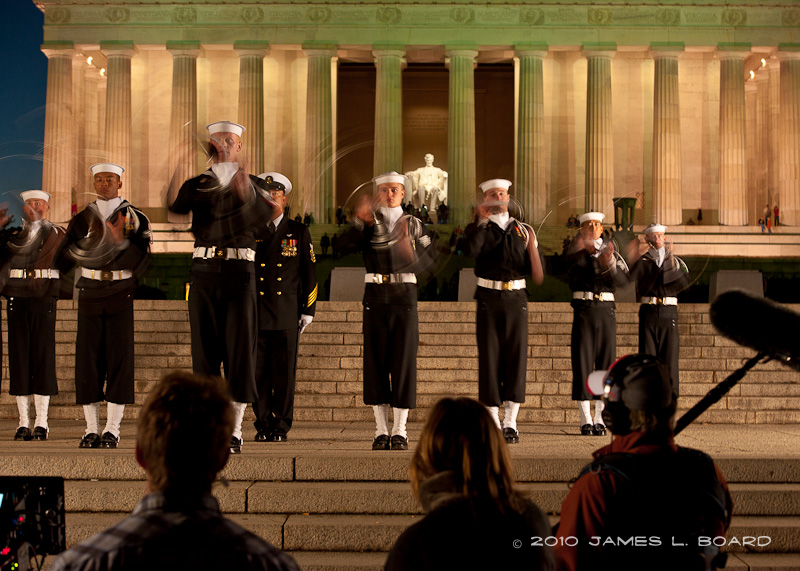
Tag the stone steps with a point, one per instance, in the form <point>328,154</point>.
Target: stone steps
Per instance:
<point>331,352</point>
<point>386,498</point>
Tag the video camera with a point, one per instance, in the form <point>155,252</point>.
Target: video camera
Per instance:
<point>31,520</point>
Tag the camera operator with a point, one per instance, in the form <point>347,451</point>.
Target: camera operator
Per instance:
<point>644,503</point>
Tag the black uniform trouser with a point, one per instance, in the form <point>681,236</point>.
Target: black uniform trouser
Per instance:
<point>502,330</point>
<point>104,350</point>
<point>593,344</point>
<point>276,365</point>
<point>658,336</point>
<point>32,345</point>
<point>391,338</point>
<point>222,316</point>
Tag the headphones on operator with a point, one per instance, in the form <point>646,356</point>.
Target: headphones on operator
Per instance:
<point>634,382</point>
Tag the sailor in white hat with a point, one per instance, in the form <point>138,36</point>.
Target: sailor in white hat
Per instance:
<point>396,247</point>
<point>660,276</point>
<point>229,208</point>
<point>32,292</point>
<point>110,240</point>
<point>596,270</point>
<point>505,252</point>
<point>287,296</point>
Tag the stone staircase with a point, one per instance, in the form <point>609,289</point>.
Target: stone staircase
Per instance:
<point>336,505</point>
<point>329,366</point>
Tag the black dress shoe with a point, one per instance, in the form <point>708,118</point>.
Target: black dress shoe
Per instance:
<point>263,436</point>
<point>109,440</point>
<point>236,445</point>
<point>599,430</point>
<point>511,435</point>
<point>39,433</point>
<point>399,442</point>
<point>381,442</point>
<point>91,440</point>
<point>279,437</point>
<point>23,433</point>
<point>587,430</point>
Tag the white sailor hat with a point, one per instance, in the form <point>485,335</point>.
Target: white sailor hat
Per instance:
<point>277,181</point>
<point>586,217</point>
<point>488,185</point>
<point>655,228</point>
<point>35,194</point>
<point>225,127</point>
<point>390,177</point>
<point>107,167</point>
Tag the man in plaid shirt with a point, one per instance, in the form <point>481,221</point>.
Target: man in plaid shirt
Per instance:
<point>183,442</point>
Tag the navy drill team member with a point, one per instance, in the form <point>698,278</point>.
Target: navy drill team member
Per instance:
<point>395,246</point>
<point>32,293</point>
<point>660,276</point>
<point>287,296</point>
<point>506,251</point>
<point>595,272</point>
<point>226,211</point>
<point>110,239</point>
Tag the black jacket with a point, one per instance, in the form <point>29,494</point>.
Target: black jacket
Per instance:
<point>286,276</point>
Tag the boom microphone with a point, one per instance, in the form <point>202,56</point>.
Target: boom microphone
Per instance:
<point>760,324</point>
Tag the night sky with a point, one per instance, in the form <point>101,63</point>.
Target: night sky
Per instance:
<point>22,93</point>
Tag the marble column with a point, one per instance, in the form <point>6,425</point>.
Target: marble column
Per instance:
<point>530,184</point>
<point>59,130</point>
<point>80,152</point>
<point>667,189</point>
<point>461,134</point>
<point>251,101</point>
<point>118,111</point>
<point>389,64</point>
<point>92,134</point>
<point>732,137</point>
<point>183,127</point>
<point>789,182</point>
<point>319,198</point>
<point>599,131</point>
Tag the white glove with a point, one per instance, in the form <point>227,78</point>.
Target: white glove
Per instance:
<point>305,321</point>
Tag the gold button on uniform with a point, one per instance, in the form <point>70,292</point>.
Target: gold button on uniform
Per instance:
<point>261,293</point>
<point>280,279</point>
<point>280,265</point>
<point>279,293</point>
<point>261,279</point>
<point>262,265</point>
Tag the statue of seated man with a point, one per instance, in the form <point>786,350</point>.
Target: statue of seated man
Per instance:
<point>428,186</point>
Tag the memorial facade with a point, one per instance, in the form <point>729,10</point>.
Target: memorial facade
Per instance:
<point>691,108</point>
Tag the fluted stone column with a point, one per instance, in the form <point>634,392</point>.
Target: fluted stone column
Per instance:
<point>118,110</point>
<point>251,100</point>
<point>389,64</point>
<point>59,130</point>
<point>599,131</point>
<point>530,184</point>
<point>183,127</point>
<point>667,190</point>
<point>461,134</point>
<point>732,137</point>
<point>319,133</point>
<point>789,199</point>
<point>80,152</point>
<point>92,134</point>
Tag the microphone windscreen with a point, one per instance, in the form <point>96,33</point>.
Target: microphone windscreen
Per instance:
<point>758,323</point>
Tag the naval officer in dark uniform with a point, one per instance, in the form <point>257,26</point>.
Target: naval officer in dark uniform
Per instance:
<point>227,209</point>
<point>660,276</point>
<point>395,247</point>
<point>110,240</point>
<point>287,300</point>
<point>506,252</point>
<point>31,288</point>
<point>596,270</point>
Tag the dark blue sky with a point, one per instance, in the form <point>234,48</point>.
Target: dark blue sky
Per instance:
<point>22,96</point>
